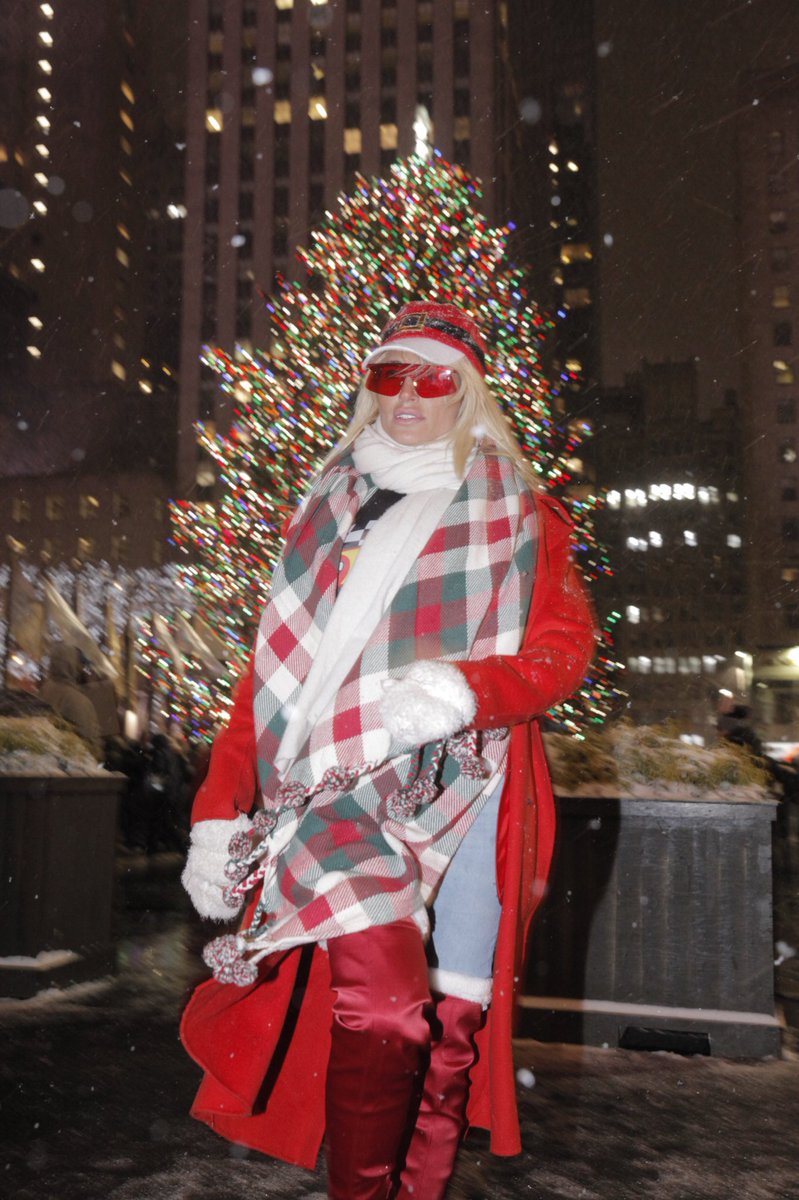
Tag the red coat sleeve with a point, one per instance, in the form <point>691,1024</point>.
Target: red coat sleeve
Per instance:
<point>559,641</point>
<point>231,784</point>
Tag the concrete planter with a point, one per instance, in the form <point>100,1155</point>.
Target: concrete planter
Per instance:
<point>57,837</point>
<point>657,929</point>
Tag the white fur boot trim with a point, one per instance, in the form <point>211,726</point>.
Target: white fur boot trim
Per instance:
<point>204,874</point>
<point>465,987</point>
<point>432,701</point>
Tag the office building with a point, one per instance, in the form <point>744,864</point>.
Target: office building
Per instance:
<point>287,100</point>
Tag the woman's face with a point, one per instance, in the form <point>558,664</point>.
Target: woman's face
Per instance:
<point>411,419</point>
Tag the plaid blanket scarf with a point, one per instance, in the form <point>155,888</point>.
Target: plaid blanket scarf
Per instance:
<point>357,834</point>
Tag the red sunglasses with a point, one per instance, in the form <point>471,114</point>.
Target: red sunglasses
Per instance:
<point>430,382</point>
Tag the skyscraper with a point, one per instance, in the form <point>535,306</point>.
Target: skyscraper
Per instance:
<point>85,178</point>
<point>287,100</point>
<point>768,219</point>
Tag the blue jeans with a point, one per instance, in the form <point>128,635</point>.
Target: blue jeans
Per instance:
<point>466,911</point>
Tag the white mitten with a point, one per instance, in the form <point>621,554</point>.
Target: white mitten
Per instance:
<point>432,701</point>
<point>204,874</point>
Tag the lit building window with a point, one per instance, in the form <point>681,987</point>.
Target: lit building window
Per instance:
<point>734,541</point>
<point>689,537</point>
<point>655,538</point>
<point>34,351</point>
<point>47,11</point>
<point>42,122</point>
<point>145,386</point>
<point>633,614</point>
<point>45,66</point>
<point>40,207</point>
<point>614,499</point>
<point>571,165</point>
<point>572,252</point>
<point>635,498</point>
<point>352,141</point>
<point>118,371</point>
<point>637,543</point>
<point>709,664</point>
<point>88,506</point>
<point>684,491</point>
<point>36,322</point>
<point>45,37</point>
<point>781,296</point>
<point>42,150</point>
<point>44,94</point>
<point>123,231</point>
<point>783,372</point>
<point>37,265</point>
<point>787,450</point>
<point>127,92</point>
<point>126,146</point>
<point>122,257</point>
<point>123,175</point>
<point>388,137</point>
<point>554,168</point>
<point>284,4</point>
<point>317,108</point>
<point>126,119</point>
<point>577,297</point>
<point>282,112</point>
<point>41,178</point>
<point>213,120</point>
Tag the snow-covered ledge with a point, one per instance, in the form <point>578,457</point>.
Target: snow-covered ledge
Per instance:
<point>626,761</point>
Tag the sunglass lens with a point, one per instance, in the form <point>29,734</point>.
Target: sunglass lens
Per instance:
<point>386,379</point>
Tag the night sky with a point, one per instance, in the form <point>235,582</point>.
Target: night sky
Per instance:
<point>668,72</point>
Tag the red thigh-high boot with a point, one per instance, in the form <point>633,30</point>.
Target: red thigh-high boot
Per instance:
<point>378,1049</point>
<point>434,1143</point>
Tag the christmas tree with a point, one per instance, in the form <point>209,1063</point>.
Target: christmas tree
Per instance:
<point>417,234</point>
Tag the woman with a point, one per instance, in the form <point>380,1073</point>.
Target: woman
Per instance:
<point>424,612</point>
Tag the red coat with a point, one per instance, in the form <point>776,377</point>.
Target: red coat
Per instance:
<point>264,1048</point>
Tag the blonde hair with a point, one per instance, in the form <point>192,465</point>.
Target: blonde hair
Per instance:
<point>480,421</point>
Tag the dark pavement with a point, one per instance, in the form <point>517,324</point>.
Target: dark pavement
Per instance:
<point>95,1090</point>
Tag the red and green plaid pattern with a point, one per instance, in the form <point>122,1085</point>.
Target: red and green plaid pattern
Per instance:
<point>348,863</point>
